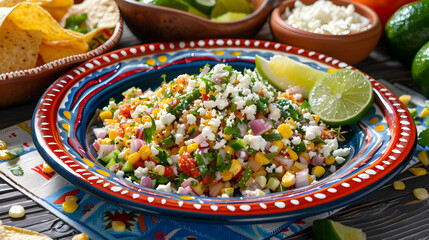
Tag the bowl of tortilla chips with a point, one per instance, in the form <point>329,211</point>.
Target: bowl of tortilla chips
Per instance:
<point>41,39</point>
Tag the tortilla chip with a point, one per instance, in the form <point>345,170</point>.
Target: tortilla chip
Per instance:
<point>101,13</point>
<point>9,3</point>
<point>56,13</point>
<point>18,48</point>
<point>14,233</point>
<point>53,51</point>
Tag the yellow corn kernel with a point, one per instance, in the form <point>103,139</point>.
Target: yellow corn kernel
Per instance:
<point>288,179</point>
<point>46,168</point>
<point>417,171</point>
<point>330,160</point>
<point>159,169</point>
<point>316,118</point>
<point>227,137</point>
<point>192,128</point>
<point>405,99</point>
<point>226,175</point>
<point>273,183</point>
<point>261,158</point>
<point>106,115</point>
<point>134,157</point>
<point>182,150</point>
<point>318,171</point>
<point>310,179</point>
<point>235,167</point>
<point>291,123</point>
<point>278,144</point>
<point>260,172</point>
<point>424,113</point>
<point>145,152</point>
<point>310,147</point>
<point>3,145</point>
<point>261,180</point>
<point>69,206</point>
<point>199,188</point>
<point>230,150</point>
<point>285,131</point>
<point>421,193</point>
<point>81,236</point>
<point>423,156</point>
<point>398,185</point>
<point>155,112</point>
<point>192,148</point>
<point>113,133</point>
<point>118,226</point>
<point>203,90</point>
<point>228,191</point>
<point>106,141</point>
<point>294,169</point>
<point>292,153</point>
<point>127,153</point>
<point>128,143</point>
<point>174,151</point>
<point>16,211</point>
<point>300,166</point>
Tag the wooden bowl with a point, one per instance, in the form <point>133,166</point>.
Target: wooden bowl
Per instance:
<point>351,48</point>
<point>151,23</point>
<point>27,85</point>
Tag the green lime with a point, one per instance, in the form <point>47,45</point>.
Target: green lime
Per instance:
<point>204,6</point>
<point>420,69</point>
<point>224,6</point>
<point>282,72</point>
<point>325,229</point>
<point>180,5</point>
<point>342,97</point>
<point>229,17</point>
<point>408,30</point>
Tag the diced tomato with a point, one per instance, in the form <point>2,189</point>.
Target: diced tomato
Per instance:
<point>188,165</point>
<point>169,172</point>
<point>124,110</point>
<point>207,179</point>
<point>139,163</point>
<point>121,132</point>
<point>206,97</point>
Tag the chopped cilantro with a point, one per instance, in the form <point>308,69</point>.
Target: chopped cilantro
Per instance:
<point>423,140</point>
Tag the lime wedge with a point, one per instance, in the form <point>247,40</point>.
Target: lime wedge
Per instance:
<point>229,17</point>
<point>224,6</point>
<point>342,97</point>
<point>325,229</point>
<point>283,72</point>
<point>181,5</point>
<point>204,6</point>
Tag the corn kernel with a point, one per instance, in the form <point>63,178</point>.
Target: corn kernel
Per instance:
<point>423,156</point>
<point>81,236</point>
<point>330,160</point>
<point>294,169</point>
<point>159,169</point>
<point>199,189</point>
<point>69,206</point>
<point>405,99</point>
<point>305,155</point>
<point>318,171</point>
<point>106,141</point>
<point>182,150</point>
<point>46,168</point>
<point>134,157</point>
<point>192,148</point>
<point>300,166</point>
<point>128,143</point>
<point>291,123</point>
<point>230,150</point>
<point>127,153</point>
<point>421,193</point>
<point>118,226</point>
<point>292,153</point>
<point>261,180</point>
<point>226,175</point>
<point>279,144</point>
<point>310,147</point>
<point>228,191</point>
<point>113,133</point>
<point>106,115</point>
<point>260,172</point>
<point>192,128</point>
<point>235,167</point>
<point>16,211</point>
<point>288,179</point>
<point>417,171</point>
<point>316,118</point>
<point>310,179</point>
<point>145,152</point>
<point>273,183</point>
<point>3,145</point>
<point>424,113</point>
<point>261,158</point>
<point>285,131</point>
<point>398,185</point>
<point>227,137</point>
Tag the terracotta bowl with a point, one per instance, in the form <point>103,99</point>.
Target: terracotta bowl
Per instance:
<point>152,23</point>
<point>27,85</point>
<point>351,48</point>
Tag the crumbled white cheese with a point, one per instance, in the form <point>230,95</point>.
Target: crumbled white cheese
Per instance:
<point>255,142</point>
<point>191,119</point>
<point>141,172</point>
<point>311,132</point>
<point>341,152</point>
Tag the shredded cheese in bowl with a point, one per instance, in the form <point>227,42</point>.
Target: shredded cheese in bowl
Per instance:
<point>326,18</point>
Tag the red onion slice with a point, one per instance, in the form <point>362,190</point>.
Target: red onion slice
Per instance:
<point>199,139</point>
<point>188,190</point>
<point>99,132</point>
<point>145,182</point>
<point>96,145</point>
<point>302,178</point>
<point>205,70</point>
<point>188,182</point>
<point>105,149</point>
<point>136,144</point>
<point>259,127</point>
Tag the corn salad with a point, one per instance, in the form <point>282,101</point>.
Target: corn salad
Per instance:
<point>221,133</point>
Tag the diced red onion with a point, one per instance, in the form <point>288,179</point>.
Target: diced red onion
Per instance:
<point>268,146</point>
<point>136,144</point>
<point>205,70</point>
<point>174,166</point>
<point>105,149</point>
<point>242,154</point>
<point>217,79</point>
<point>215,189</point>
<point>243,129</point>
<point>268,124</point>
<point>204,144</point>
<point>222,152</point>
<point>99,132</point>
<point>317,160</point>
<point>188,182</point>
<point>188,190</point>
<point>199,139</point>
<point>301,178</point>
<point>114,167</point>
<point>258,127</point>
<point>145,182</point>
<point>174,158</point>
<point>139,133</point>
<point>205,150</point>
<point>96,145</point>
<point>283,160</point>
<point>303,160</point>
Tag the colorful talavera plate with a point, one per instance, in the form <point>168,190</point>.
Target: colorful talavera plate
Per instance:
<point>381,143</point>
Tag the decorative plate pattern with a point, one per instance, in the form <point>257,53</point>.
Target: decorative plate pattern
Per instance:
<point>381,143</point>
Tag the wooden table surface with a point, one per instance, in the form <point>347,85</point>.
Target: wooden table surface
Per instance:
<point>384,214</point>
